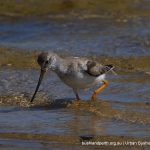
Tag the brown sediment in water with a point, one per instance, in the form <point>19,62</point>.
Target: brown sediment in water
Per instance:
<point>103,109</point>
<point>20,59</point>
<point>23,100</point>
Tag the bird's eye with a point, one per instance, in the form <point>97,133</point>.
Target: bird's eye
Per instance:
<point>46,61</point>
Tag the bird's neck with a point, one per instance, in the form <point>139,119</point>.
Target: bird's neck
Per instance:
<point>58,65</point>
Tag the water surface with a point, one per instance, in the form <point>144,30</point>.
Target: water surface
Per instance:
<point>80,36</point>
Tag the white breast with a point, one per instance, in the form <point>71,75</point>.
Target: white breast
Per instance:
<point>81,81</point>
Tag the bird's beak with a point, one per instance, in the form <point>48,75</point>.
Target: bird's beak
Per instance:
<point>38,85</point>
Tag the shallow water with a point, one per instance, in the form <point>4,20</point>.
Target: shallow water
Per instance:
<point>133,87</point>
<point>126,92</point>
<point>72,122</point>
<point>62,121</point>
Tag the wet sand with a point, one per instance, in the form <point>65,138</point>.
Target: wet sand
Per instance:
<point>13,58</point>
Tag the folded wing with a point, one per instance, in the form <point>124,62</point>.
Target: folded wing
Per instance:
<point>96,69</point>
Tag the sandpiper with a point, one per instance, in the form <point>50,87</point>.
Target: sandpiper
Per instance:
<point>76,72</point>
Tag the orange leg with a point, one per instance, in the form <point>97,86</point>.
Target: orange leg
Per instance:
<point>105,83</point>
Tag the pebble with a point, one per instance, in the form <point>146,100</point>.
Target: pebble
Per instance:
<point>9,65</point>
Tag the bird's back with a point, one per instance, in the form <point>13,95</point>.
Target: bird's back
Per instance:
<point>74,73</point>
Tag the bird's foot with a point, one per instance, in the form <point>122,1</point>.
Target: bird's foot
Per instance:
<point>93,98</point>
<point>77,103</point>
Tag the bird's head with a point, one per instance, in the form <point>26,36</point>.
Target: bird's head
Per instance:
<point>46,61</point>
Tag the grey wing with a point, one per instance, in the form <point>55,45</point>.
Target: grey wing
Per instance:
<point>96,69</point>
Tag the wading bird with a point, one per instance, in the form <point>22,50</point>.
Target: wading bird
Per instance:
<point>78,73</point>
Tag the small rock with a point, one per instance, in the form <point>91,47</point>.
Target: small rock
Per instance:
<point>9,65</point>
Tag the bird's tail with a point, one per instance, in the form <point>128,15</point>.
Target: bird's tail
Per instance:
<point>108,68</point>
